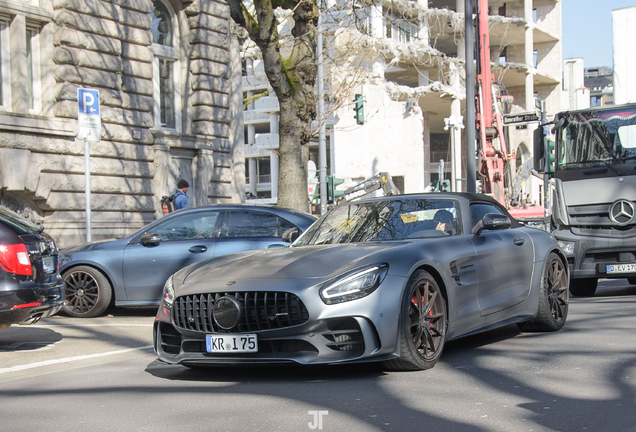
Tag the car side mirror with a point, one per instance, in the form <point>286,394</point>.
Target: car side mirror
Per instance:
<point>494,221</point>
<point>291,235</point>
<point>150,239</point>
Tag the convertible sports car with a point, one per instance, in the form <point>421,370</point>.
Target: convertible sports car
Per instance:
<point>386,279</point>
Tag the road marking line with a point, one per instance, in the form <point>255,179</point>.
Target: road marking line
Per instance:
<point>70,359</point>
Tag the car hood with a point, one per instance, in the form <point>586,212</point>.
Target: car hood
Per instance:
<point>321,262</point>
<point>95,245</point>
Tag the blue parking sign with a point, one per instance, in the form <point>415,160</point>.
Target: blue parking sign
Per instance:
<point>88,101</point>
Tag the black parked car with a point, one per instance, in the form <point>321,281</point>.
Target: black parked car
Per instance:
<point>30,284</point>
<point>134,269</point>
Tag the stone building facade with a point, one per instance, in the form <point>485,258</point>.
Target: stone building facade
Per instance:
<point>169,77</point>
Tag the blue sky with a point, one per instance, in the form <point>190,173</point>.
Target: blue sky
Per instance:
<point>587,29</point>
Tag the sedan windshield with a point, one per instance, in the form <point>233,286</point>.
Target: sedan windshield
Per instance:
<point>385,220</point>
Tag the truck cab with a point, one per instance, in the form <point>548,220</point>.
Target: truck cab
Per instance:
<point>591,167</point>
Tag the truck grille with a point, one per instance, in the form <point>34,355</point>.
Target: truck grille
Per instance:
<point>594,220</point>
<point>261,311</point>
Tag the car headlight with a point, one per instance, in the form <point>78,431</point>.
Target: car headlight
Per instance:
<point>355,285</point>
<point>568,247</point>
<point>168,293</point>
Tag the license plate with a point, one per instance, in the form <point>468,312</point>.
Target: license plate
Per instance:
<point>621,268</point>
<point>48,262</point>
<point>231,343</point>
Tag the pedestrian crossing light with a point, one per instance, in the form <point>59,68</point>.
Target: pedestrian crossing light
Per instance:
<point>359,109</point>
<point>551,156</point>
<point>332,193</point>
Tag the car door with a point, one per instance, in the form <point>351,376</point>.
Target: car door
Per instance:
<point>185,239</point>
<point>505,259</point>
<point>246,229</point>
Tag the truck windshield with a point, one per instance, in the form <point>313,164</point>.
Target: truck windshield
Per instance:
<point>597,138</point>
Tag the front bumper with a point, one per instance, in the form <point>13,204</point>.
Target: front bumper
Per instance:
<point>361,330</point>
<point>592,255</point>
<point>15,296</point>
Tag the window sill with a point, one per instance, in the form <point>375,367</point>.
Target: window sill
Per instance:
<point>37,124</point>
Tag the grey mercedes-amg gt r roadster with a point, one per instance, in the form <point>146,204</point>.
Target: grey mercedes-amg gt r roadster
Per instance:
<point>385,279</point>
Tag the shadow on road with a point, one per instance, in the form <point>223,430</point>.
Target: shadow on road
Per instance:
<point>23,338</point>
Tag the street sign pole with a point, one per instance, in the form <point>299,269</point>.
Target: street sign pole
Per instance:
<point>90,129</point>
<point>87,177</point>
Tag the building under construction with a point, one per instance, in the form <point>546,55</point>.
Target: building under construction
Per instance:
<point>405,61</point>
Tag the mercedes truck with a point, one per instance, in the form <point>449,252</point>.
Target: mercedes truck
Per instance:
<point>589,163</point>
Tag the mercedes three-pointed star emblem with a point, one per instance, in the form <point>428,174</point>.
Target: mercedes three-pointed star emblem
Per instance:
<point>622,212</point>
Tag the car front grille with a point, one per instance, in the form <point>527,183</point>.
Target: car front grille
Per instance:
<point>260,311</point>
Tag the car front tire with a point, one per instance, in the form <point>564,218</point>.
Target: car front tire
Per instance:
<point>422,324</point>
<point>553,298</point>
<point>88,292</point>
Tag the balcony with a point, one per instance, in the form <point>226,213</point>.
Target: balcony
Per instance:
<point>255,82</point>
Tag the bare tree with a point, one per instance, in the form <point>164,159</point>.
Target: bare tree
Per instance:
<point>293,80</point>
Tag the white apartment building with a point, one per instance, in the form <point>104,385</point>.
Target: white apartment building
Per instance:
<point>413,84</point>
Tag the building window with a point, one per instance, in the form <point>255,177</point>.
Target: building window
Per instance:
<point>33,68</point>
<point>534,16</point>
<point>502,55</point>
<point>166,77</point>
<point>535,58</point>
<point>264,170</point>
<point>5,66</point>
<point>399,29</point>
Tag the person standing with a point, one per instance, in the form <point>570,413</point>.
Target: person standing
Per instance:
<point>181,200</point>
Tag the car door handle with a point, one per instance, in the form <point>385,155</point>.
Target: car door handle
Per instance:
<point>519,241</point>
<point>198,249</point>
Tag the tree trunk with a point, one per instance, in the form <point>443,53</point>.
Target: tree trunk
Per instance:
<point>293,80</point>
<point>293,158</point>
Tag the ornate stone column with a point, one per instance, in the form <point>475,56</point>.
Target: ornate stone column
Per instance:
<point>162,170</point>
<point>202,177</point>
<point>237,137</point>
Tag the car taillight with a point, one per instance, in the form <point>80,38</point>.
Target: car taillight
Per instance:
<point>15,259</point>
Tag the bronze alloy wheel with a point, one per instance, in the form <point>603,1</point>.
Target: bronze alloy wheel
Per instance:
<point>423,324</point>
<point>557,288</point>
<point>553,298</point>
<point>427,317</point>
<point>88,292</point>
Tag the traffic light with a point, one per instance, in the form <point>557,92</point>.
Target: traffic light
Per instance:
<point>359,109</point>
<point>551,155</point>
<point>332,193</point>
<point>445,186</point>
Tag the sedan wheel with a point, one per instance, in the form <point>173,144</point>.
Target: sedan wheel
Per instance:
<point>423,324</point>
<point>553,298</point>
<point>88,292</point>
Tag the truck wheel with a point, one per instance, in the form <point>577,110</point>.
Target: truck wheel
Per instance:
<point>88,292</point>
<point>583,287</point>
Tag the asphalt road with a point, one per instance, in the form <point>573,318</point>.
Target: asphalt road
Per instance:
<point>101,374</point>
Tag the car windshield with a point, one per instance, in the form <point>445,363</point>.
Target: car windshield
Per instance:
<point>385,220</point>
<point>598,138</point>
<point>19,222</point>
